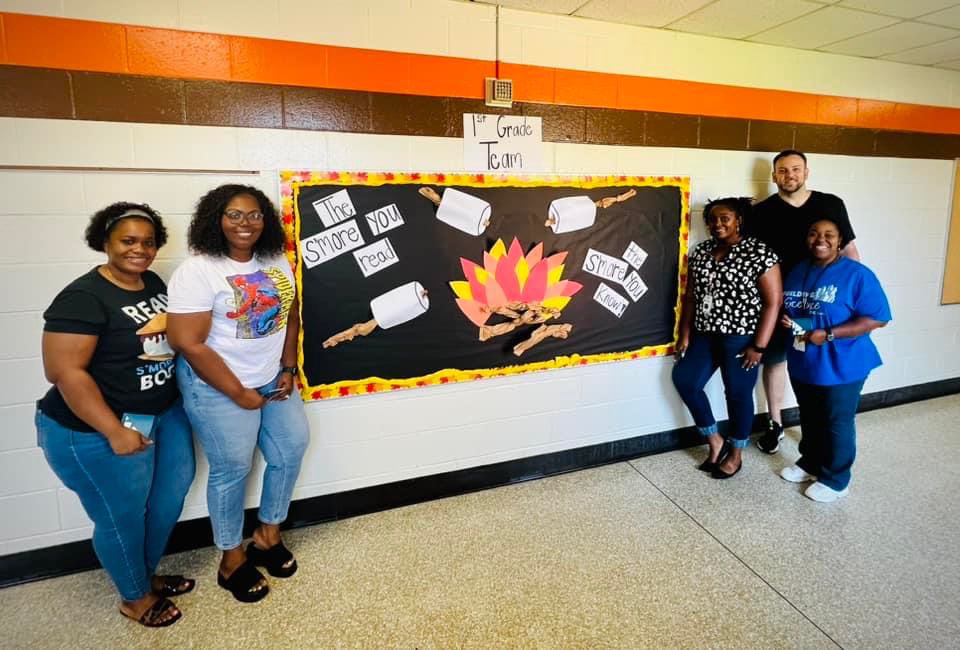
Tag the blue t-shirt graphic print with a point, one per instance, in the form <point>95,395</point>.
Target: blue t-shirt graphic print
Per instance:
<point>825,297</point>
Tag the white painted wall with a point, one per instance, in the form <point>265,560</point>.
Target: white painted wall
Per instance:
<point>899,209</point>
<point>469,30</point>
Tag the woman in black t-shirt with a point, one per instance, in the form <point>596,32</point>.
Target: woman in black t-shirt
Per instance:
<point>113,427</point>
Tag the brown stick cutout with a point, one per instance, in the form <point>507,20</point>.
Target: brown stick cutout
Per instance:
<point>619,198</point>
<point>360,329</point>
<point>533,314</point>
<point>431,194</point>
<point>541,333</point>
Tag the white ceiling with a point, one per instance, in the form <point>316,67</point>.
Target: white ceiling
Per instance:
<point>921,32</point>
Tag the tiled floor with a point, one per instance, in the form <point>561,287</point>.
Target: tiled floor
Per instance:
<point>646,554</point>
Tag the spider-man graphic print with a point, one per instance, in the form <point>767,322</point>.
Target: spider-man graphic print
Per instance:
<point>261,301</point>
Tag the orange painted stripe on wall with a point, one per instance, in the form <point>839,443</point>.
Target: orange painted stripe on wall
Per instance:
<point>263,60</point>
<point>172,53</point>
<point>3,42</point>
<point>46,42</point>
<point>42,41</point>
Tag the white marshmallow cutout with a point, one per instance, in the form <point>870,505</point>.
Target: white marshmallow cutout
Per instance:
<point>572,213</point>
<point>400,305</point>
<point>464,212</point>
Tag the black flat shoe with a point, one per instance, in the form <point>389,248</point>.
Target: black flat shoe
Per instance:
<point>720,474</point>
<point>241,583</point>
<point>277,560</point>
<point>710,467</point>
<point>174,585</point>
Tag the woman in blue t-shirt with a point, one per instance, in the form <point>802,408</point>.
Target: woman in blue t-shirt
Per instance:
<point>831,303</point>
<point>112,427</point>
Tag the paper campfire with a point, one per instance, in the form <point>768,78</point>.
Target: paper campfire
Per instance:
<point>525,289</point>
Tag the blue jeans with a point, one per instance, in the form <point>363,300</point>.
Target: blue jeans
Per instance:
<point>828,443</point>
<point>706,353</point>
<point>229,434</point>
<point>134,501</point>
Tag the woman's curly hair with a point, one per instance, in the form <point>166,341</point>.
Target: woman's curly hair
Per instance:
<point>104,221</point>
<point>206,237</point>
<point>742,206</point>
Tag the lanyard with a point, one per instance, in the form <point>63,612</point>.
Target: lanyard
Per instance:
<point>714,278</point>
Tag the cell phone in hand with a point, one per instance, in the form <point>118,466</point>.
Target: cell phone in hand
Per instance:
<point>139,422</point>
<point>274,394</point>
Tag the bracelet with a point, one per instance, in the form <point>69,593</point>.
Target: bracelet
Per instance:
<point>291,369</point>
<point>757,348</point>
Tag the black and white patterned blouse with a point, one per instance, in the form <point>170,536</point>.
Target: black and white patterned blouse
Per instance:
<point>727,293</point>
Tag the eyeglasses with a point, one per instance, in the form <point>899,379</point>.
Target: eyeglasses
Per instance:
<point>236,216</point>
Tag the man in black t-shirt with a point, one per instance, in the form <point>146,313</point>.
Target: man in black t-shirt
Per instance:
<point>781,221</point>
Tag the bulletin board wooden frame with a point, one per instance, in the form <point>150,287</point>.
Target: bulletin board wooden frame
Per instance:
<point>292,181</point>
<point>951,271</point>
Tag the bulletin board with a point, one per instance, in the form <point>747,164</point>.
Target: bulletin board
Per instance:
<point>408,280</point>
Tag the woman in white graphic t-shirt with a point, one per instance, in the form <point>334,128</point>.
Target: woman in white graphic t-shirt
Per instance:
<point>234,319</point>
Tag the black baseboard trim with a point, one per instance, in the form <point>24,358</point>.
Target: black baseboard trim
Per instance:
<point>74,557</point>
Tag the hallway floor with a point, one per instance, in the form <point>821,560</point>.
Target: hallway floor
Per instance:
<point>644,554</point>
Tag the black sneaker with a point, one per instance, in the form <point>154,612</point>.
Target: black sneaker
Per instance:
<point>769,442</point>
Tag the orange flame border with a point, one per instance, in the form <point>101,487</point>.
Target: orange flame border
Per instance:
<point>292,180</point>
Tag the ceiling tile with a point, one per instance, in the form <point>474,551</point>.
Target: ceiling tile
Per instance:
<point>900,8</point>
<point>651,13</point>
<point>827,25</point>
<point>929,54</point>
<point>889,40</point>
<point>742,18</point>
<point>946,18</point>
<point>543,6</point>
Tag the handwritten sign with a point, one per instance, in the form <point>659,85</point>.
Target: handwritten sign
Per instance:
<point>326,245</point>
<point>604,266</point>
<point>611,300</point>
<point>383,219</point>
<point>635,286</point>
<point>375,257</point>
<point>502,143</point>
<point>635,255</point>
<point>335,208</point>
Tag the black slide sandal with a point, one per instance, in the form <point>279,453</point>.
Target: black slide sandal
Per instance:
<point>151,617</point>
<point>272,559</point>
<point>242,581</point>
<point>171,585</point>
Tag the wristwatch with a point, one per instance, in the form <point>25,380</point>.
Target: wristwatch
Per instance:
<point>830,335</point>
<point>291,369</point>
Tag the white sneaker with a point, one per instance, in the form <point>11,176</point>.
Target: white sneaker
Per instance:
<point>796,474</point>
<point>823,494</point>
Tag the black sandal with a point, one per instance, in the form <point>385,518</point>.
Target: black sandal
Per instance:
<point>242,581</point>
<point>153,616</point>
<point>171,585</point>
<point>707,466</point>
<point>272,559</point>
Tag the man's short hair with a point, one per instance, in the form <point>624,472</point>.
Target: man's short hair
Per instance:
<point>789,152</point>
